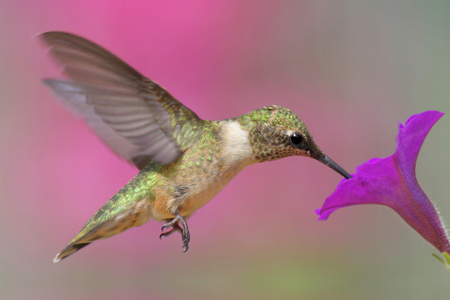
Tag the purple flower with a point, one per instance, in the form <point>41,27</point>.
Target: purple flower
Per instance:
<point>391,181</point>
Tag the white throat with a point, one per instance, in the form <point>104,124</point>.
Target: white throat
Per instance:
<point>236,147</point>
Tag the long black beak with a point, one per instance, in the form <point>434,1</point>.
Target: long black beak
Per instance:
<point>330,163</point>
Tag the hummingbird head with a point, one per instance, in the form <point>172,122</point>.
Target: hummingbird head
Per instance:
<point>276,132</point>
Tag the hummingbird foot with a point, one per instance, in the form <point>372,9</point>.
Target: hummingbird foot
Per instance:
<point>185,235</point>
<point>175,227</point>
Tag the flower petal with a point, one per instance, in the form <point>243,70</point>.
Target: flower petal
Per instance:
<point>391,181</point>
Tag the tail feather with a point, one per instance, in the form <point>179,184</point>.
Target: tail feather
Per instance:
<point>114,217</point>
<point>69,250</point>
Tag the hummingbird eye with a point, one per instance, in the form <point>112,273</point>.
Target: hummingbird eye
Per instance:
<point>296,139</point>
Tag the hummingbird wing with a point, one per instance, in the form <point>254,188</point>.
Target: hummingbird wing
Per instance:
<point>136,117</point>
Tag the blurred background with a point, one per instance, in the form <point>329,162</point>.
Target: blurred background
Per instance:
<point>351,69</point>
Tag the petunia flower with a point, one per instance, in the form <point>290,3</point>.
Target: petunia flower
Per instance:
<point>391,181</point>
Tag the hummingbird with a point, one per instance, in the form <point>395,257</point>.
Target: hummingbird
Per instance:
<point>183,160</point>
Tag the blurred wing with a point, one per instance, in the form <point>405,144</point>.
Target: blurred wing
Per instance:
<point>136,117</point>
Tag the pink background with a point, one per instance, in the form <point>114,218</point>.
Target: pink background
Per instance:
<point>350,69</point>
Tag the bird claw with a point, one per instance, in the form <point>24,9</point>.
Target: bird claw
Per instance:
<point>185,235</point>
<point>175,227</point>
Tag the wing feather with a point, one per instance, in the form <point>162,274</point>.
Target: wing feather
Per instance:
<point>133,115</point>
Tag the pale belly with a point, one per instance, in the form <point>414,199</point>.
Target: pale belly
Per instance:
<point>194,196</point>
<point>198,200</point>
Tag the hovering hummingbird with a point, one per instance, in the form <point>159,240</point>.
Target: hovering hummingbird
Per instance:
<point>183,161</point>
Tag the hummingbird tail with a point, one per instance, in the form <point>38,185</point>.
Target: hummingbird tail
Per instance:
<point>69,250</point>
<point>114,217</point>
